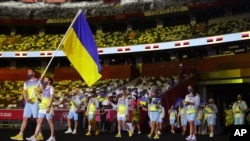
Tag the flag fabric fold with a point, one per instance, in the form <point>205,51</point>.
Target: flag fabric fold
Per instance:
<point>80,48</point>
<point>179,103</point>
<point>156,100</point>
<point>143,101</point>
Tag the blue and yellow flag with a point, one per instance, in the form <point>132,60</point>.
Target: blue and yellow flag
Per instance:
<point>80,48</point>
<point>156,100</point>
<point>143,101</point>
<point>179,103</point>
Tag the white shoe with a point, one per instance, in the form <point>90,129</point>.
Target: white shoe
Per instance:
<point>74,132</point>
<point>189,138</point>
<point>139,132</point>
<point>211,135</point>
<point>32,138</point>
<point>193,138</point>
<point>159,132</point>
<point>51,139</point>
<point>68,131</point>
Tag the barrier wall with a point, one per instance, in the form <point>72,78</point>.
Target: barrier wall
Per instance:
<point>117,71</point>
<point>14,74</point>
<point>199,65</point>
<point>151,69</point>
<point>114,71</point>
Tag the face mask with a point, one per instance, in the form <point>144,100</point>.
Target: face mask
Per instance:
<point>45,83</point>
<point>189,90</point>
<point>30,76</point>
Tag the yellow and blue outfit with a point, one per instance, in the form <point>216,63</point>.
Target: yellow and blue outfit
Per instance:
<point>183,116</point>
<point>199,116</point>
<point>229,117</point>
<point>172,116</point>
<point>162,114</point>
<point>93,104</point>
<point>31,108</point>
<point>75,102</point>
<point>46,97</point>
<point>239,109</point>
<point>191,110</point>
<point>153,111</point>
<point>211,110</point>
<point>122,109</point>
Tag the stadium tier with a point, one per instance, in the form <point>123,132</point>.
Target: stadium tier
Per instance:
<point>45,42</point>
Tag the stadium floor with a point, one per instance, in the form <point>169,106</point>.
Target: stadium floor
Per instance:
<point>60,136</point>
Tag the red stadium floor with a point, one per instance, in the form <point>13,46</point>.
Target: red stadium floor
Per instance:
<point>60,136</point>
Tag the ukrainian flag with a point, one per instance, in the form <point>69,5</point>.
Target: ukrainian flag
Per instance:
<point>143,101</point>
<point>156,100</point>
<point>80,48</point>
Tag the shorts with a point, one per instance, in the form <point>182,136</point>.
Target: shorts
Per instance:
<point>31,109</point>
<point>91,116</point>
<point>121,117</point>
<point>211,120</point>
<point>47,115</point>
<point>154,116</point>
<point>72,115</point>
<point>239,120</point>
<point>191,116</point>
<point>184,121</point>
<point>160,120</point>
<point>171,121</point>
<point>197,122</point>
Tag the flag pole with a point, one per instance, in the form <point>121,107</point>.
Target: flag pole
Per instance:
<point>53,56</point>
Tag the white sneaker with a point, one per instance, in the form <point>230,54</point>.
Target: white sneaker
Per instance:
<point>211,135</point>
<point>51,139</point>
<point>74,132</point>
<point>32,138</point>
<point>68,131</point>
<point>193,138</point>
<point>139,132</point>
<point>189,138</point>
<point>159,132</point>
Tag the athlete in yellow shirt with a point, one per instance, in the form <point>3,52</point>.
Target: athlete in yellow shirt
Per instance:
<point>93,104</point>
<point>122,113</point>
